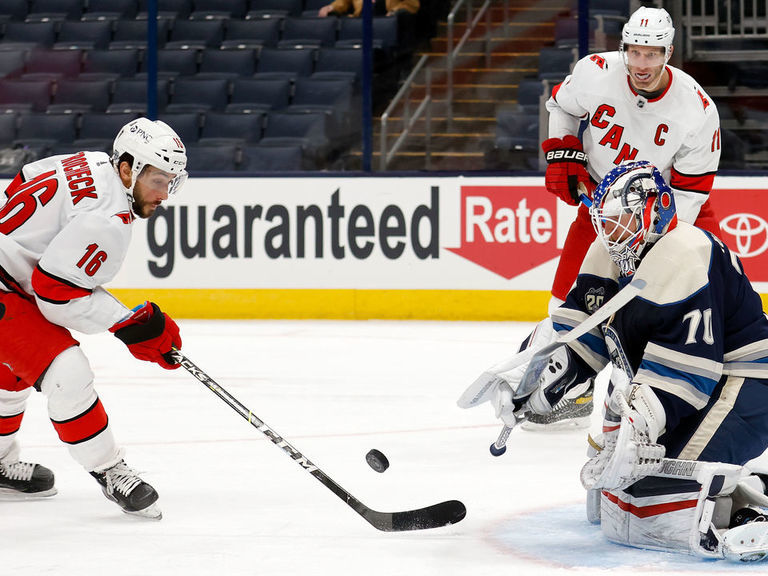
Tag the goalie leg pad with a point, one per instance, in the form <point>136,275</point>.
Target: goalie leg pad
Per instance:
<point>673,514</point>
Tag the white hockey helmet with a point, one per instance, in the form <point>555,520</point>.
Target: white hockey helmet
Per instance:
<point>649,27</point>
<point>633,207</point>
<point>152,143</point>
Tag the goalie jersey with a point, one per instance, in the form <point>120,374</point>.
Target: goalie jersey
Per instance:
<point>65,228</point>
<point>694,334</point>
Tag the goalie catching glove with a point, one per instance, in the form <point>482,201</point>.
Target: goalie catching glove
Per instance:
<point>566,168</point>
<point>150,335</point>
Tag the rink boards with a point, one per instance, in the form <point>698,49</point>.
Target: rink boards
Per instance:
<point>355,247</point>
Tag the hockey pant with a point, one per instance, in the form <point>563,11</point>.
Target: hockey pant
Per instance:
<point>580,236</point>
<point>688,515</point>
<point>37,353</point>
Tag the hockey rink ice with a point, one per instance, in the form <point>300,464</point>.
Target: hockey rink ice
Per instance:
<point>235,504</point>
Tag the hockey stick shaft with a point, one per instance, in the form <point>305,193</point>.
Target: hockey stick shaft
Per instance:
<point>434,516</point>
<point>539,359</point>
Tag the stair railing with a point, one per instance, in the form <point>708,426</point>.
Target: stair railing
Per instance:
<point>409,120</point>
<point>452,52</point>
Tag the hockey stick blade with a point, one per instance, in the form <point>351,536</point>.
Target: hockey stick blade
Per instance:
<point>435,516</point>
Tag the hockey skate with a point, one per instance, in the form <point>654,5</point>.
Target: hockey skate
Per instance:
<point>572,412</point>
<point>122,485</point>
<point>24,480</point>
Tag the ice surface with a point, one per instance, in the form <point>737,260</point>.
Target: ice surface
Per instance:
<point>234,504</point>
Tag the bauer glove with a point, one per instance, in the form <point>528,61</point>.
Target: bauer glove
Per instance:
<point>566,168</point>
<point>150,335</point>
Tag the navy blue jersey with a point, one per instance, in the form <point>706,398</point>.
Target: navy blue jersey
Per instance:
<point>697,323</point>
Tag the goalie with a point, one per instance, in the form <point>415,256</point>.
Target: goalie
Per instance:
<point>689,378</point>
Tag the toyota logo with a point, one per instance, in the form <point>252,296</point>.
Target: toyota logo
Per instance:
<point>750,231</point>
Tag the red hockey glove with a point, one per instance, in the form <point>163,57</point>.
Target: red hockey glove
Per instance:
<point>150,335</point>
<point>566,167</point>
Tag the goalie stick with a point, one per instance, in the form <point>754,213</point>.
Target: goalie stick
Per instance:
<point>540,358</point>
<point>435,516</point>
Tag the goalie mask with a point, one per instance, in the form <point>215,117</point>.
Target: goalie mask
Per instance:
<point>648,27</point>
<point>633,208</point>
<point>152,143</point>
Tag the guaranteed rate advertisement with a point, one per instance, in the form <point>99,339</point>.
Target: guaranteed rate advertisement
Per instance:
<point>351,233</point>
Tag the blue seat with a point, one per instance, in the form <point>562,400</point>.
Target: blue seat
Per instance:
<point>185,124</point>
<point>385,33</point>
<point>331,97</point>
<point>80,96</point>
<point>30,35</point>
<point>238,129</point>
<point>272,159</point>
<point>130,96</point>
<point>307,130</point>
<point>196,33</point>
<point>253,95</point>
<point>12,63</point>
<point>529,92</point>
<point>98,131</point>
<point>133,34</point>
<point>339,63</point>
<point>180,8</point>
<point>285,63</point>
<point>109,8</point>
<point>228,64</point>
<point>110,63</point>
<point>14,9</point>
<point>8,124</point>
<point>172,63</point>
<point>308,31</point>
<point>262,8</point>
<point>25,95</point>
<point>555,63</point>
<point>246,33</point>
<point>84,35</point>
<point>195,95</point>
<point>53,64</point>
<point>43,131</point>
<point>516,130</point>
<point>65,9</point>
<point>232,8</point>
<point>221,157</point>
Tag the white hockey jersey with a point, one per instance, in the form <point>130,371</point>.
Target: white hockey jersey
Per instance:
<point>678,131</point>
<point>65,228</point>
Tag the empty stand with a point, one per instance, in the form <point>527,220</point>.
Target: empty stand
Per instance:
<point>84,35</point>
<point>81,96</point>
<point>272,158</point>
<point>196,95</point>
<point>253,95</point>
<point>25,95</point>
<point>227,64</point>
<point>240,129</point>
<point>308,31</point>
<point>130,96</point>
<point>285,63</point>
<point>251,33</point>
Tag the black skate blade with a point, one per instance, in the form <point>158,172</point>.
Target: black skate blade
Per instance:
<point>435,516</point>
<point>11,495</point>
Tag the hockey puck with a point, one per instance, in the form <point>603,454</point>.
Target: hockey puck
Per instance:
<point>377,461</point>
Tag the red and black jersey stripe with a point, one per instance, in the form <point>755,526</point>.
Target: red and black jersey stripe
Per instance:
<point>54,289</point>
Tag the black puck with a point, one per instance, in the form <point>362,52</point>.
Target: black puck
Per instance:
<point>377,461</point>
